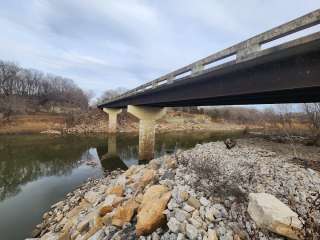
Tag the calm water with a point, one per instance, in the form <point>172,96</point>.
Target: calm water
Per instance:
<point>37,171</point>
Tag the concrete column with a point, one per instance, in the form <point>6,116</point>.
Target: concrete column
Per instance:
<point>113,113</point>
<point>147,117</point>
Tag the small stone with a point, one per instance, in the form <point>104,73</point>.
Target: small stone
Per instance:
<point>155,236</point>
<point>181,215</point>
<point>99,235</point>
<point>192,201</point>
<point>110,231</point>
<point>83,226</point>
<point>172,204</point>
<point>36,232</point>
<point>174,225</point>
<point>212,234</point>
<point>184,196</point>
<point>219,211</point>
<point>204,202</point>
<point>58,228</point>
<point>191,231</point>
<point>92,197</point>
<point>59,217</point>
<point>196,222</point>
<point>188,208</point>
<point>58,205</point>
<point>181,236</point>
<point>45,215</point>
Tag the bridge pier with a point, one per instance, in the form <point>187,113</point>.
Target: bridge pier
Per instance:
<point>147,124</point>
<point>113,113</point>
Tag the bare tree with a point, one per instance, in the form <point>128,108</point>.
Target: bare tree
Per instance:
<point>286,122</point>
<point>111,93</point>
<point>19,86</point>
<point>312,111</point>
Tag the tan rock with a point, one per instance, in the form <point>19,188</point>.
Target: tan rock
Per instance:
<point>151,216</point>
<point>193,202</point>
<point>116,190</point>
<point>107,219</point>
<point>154,192</point>
<point>125,213</point>
<point>104,210</point>
<point>133,170</point>
<point>184,196</point>
<point>212,234</point>
<point>236,237</point>
<point>170,162</point>
<point>270,213</point>
<point>139,198</point>
<point>147,177</point>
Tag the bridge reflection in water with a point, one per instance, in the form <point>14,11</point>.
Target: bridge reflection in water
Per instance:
<point>109,157</point>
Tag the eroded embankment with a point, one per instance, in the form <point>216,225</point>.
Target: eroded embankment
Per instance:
<point>208,192</point>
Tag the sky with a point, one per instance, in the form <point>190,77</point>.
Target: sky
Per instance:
<point>105,44</point>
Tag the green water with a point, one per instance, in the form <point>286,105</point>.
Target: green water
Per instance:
<point>37,171</point>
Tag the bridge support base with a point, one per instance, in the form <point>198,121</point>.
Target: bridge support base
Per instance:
<point>147,117</point>
<point>113,113</point>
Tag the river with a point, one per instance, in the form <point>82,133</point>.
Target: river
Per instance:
<point>38,170</point>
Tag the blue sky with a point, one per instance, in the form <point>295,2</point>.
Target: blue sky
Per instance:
<point>103,44</point>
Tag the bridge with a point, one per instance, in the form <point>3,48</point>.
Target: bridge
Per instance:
<point>246,73</point>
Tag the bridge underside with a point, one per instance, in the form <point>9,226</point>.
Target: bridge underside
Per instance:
<point>286,76</point>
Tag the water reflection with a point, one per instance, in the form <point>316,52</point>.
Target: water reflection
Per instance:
<point>109,157</point>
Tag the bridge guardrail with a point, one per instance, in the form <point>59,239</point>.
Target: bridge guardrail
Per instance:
<point>241,52</point>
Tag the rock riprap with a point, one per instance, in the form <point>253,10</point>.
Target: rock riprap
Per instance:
<point>209,192</point>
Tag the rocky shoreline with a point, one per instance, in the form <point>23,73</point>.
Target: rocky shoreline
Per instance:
<point>209,192</point>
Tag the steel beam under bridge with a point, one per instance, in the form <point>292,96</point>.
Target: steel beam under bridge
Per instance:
<point>291,76</point>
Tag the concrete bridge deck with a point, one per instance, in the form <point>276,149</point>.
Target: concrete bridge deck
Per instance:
<point>287,73</point>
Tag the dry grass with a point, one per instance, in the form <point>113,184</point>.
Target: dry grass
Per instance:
<point>32,124</point>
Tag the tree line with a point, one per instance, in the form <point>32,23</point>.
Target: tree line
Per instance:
<point>18,85</point>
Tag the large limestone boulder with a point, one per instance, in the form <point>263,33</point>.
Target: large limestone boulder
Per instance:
<point>270,213</point>
<point>150,215</point>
